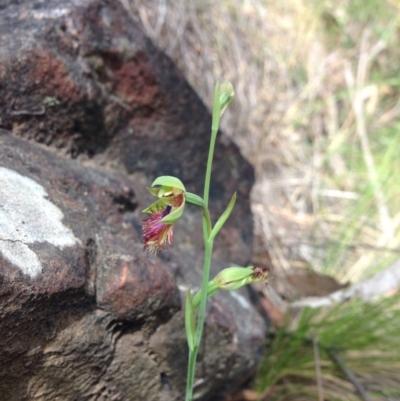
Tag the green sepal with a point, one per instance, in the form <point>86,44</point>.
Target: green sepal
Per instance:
<point>221,221</point>
<point>174,216</point>
<point>194,199</point>
<point>154,191</point>
<point>189,321</point>
<point>164,190</point>
<point>154,206</point>
<point>169,181</point>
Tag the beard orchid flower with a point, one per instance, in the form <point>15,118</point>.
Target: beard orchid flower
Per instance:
<point>164,213</point>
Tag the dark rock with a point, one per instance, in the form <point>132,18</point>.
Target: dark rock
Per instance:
<point>91,113</point>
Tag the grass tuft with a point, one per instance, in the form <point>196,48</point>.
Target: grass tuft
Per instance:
<point>358,348</point>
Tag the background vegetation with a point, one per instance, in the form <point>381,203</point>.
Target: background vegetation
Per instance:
<point>317,113</point>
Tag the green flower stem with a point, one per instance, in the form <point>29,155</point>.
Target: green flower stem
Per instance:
<point>204,287</point>
<point>214,130</point>
<point>190,376</point>
<point>207,226</point>
<point>200,322</point>
<point>208,247</point>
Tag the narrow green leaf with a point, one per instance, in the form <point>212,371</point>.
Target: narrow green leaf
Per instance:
<point>224,217</point>
<point>189,321</point>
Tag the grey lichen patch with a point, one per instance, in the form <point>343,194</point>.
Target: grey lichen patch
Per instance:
<point>26,217</point>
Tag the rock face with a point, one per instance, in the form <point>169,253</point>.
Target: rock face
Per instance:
<point>90,113</point>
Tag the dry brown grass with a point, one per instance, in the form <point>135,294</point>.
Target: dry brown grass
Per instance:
<point>313,90</point>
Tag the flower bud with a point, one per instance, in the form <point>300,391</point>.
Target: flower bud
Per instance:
<point>233,278</point>
<point>226,95</point>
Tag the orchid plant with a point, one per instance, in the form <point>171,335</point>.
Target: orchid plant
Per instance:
<point>158,233</point>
